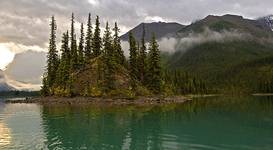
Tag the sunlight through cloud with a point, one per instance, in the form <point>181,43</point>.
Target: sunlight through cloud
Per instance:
<point>6,56</point>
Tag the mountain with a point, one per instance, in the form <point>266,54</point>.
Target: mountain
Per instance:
<point>267,21</point>
<point>224,51</point>
<point>161,29</point>
<point>227,22</point>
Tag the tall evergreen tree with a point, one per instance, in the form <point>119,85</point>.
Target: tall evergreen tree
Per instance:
<point>143,58</point>
<point>52,58</point>
<point>108,59</point>
<point>119,54</point>
<point>88,40</point>
<point>133,59</point>
<point>73,45</point>
<point>154,66</point>
<point>64,66</point>
<point>96,42</point>
<point>81,47</point>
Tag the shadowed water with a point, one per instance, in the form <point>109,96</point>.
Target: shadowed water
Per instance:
<point>205,123</point>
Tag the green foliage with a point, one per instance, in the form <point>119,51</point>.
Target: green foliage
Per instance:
<point>96,42</point>
<point>73,44</point>
<point>133,59</point>
<point>183,83</point>
<point>45,88</point>
<point>226,65</point>
<point>122,93</point>
<point>88,40</point>
<point>61,91</point>
<point>64,66</point>
<point>154,66</point>
<point>99,68</point>
<point>52,59</point>
<point>81,47</point>
<point>118,52</point>
<point>108,58</point>
<point>142,60</point>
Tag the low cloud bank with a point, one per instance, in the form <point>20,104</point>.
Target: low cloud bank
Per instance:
<point>8,83</point>
<point>193,39</point>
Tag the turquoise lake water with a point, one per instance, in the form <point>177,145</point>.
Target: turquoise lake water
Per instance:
<point>213,123</point>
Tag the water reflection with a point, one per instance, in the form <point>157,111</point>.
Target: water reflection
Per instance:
<point>206,123</point>
<point>211,123</point>
<point>20,127</point>
<point>96,128</point>
<point>5,137</point>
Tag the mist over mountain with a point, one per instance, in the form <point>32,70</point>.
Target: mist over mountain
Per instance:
<point>215,46</point>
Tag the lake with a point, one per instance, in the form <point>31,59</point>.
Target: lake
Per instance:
<point>211,123</point>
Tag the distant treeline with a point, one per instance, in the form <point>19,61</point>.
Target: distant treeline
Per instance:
<point>19,93</point>
<point>111,71</point>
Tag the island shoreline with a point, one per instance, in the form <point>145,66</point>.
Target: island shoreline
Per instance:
<point>102,101</point>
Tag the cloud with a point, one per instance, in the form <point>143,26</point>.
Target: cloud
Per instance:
<point>184,43</point>
<point>27,67</point>
<point>208,35</point>
<point>26,22</point>
<point>7,83</point>
<point>125,47</point>
<point>19,48</point>
<point>167,44</point>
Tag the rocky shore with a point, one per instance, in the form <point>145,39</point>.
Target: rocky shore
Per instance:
<point>102,101</point>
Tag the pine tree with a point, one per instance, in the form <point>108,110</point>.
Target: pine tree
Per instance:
<point>45,88</point>
<point>81,47</point>
<point>143,56</point>
<point>96,42</point>
<point>52,59</point>
<point>154,66</point>
<point>63,69</point>
<point>73,46</point>
<point>108,60</point>
<point>133,59</point>
<point>88,40</point>
<point>119,54</point>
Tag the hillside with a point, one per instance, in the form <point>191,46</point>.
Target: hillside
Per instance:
<point>220,44</point>
<point>161,29</point>
<point>227,22</point>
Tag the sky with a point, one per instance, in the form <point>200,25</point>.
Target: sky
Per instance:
<point>24,23</point>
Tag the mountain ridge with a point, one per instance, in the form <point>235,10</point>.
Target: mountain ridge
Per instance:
<point>161,29</point>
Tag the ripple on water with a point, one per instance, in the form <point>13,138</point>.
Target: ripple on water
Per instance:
<point>213,124</point>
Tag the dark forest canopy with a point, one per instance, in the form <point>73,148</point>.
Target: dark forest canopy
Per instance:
<point>96,66</point>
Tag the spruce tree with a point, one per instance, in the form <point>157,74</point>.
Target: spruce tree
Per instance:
<point>52,58</point>
<point>73,45</point>
<point>81,47</point>
<point>154,66</point>
<point>88,40</point>
<point>96,42</point>
<point>119,54</point>
<point>108,57</point>
<point>45,88</point>
<point>63,70</point>
<point>133,59</point>
<point>143,58</point>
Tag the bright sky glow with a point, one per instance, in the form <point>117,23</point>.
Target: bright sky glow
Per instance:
<point>6,56</point>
